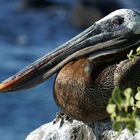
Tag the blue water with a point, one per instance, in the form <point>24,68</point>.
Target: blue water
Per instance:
<point>26,35</point>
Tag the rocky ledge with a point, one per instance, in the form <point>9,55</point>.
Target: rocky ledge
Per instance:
<point>64,128</point>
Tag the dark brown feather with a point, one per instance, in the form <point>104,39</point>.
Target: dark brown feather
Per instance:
<point>82,89</point>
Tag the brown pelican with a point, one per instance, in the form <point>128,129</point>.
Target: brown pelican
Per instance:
<point>88,66</point>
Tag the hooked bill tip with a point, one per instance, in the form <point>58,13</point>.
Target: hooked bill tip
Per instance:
<point>3,87</point>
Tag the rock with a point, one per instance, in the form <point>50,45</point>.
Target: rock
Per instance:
<point>63,128</point>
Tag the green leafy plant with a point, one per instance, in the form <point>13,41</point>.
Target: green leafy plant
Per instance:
<point>132,55</point>
<point>123,108</point>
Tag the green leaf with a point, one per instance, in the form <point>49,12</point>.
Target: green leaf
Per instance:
<point>111,108</point>
<point>126,104</point>
<point>117,97</point>
<point>130,55</point>
<point>129,101</point>
<point>138,49</point>
<point>137,123</point>
<point>131,126</point>
<point>138,53</point>
<point>138,89</point>
<point>111,101</point>
<point>117,126</point>
<point>132,101</point>
<point>137,96</point>
<point>128,93</point>
<point>113,116</point>
<point>138,104</point>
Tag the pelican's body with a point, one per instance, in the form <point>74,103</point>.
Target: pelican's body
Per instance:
<point>88,67</point>
<point>82,92</point>
<point>82,88</point>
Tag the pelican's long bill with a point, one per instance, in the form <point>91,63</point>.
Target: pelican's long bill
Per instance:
<point>117,32</point>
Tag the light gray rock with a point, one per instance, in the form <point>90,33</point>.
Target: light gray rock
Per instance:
<point>63,128</point>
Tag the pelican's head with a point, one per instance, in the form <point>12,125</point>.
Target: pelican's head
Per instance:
<point>123,18</point>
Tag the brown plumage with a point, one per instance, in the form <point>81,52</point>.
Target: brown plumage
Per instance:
<point>82,90</point>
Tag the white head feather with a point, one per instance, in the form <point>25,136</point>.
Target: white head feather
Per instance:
<point>131,19</point>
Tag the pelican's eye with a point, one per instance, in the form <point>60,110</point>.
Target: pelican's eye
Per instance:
<point>117,20</point>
